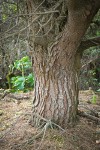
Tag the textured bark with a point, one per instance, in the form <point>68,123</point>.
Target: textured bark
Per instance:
<point>56,90</point>
<point>57,67</point>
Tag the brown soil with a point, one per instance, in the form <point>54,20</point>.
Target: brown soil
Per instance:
<point>17,134</point>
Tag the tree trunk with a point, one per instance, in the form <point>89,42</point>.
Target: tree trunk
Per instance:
<point>57,68</point>
<point>56,86</point>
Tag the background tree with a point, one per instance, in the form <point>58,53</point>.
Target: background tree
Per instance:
<point>90,70</point>
<point>12,45</point>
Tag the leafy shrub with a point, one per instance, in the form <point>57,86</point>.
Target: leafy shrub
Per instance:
<point>23,82</point>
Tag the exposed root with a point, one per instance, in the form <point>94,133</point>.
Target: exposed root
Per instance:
<point>84,114</point>
<point>21,96</point>
<point>92,111</point>
<point>51,123</point>
<point>44,127</point>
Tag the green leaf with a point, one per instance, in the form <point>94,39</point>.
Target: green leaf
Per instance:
<point>18,82</point>
<point>17,65</point>
<point>25,61</point>
<point>94,99</point>
<point>98,90</point>
<point>22,83</point>
<point>30,79</point>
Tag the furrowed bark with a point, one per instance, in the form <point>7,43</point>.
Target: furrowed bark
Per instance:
<point>56,68</point>
<point>56,90</point>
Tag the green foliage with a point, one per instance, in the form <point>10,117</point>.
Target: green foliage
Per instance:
<point>8,9</point>
<point>98,90</point>
<point>94,99</point>
<point>18,83</point>
<point>4,17</point>
<point>23,82</point>
<point>29,80</point>
<point>22,64</point>
<point>90,73</point>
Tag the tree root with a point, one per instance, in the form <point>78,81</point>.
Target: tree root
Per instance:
<point>84,114</point>
<point>92,111</point>
<point>14,96</point>
<point>44,126</point>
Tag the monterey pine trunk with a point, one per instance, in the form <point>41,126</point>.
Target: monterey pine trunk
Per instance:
<point>56,85</point>
<point>56,68</point>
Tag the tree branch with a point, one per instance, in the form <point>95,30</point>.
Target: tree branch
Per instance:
<point>90,61</point>
<point>80,15</point>
<point>89,43</point>
<point>84,114</point>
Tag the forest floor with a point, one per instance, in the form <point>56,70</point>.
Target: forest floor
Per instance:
<point>18,134</point>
